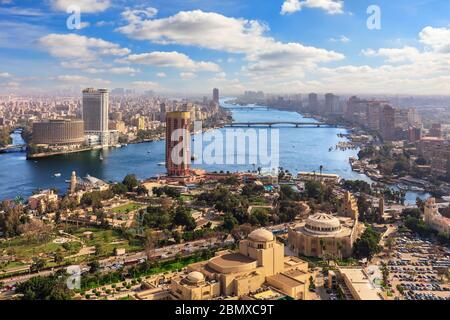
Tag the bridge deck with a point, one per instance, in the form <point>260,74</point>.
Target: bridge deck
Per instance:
<point>274,123</point>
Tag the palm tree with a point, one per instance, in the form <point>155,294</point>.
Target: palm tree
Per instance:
<point>321,169</point>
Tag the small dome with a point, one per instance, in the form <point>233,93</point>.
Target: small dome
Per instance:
<point>323,222</point>
<point>261,235</point>
<point>195,277</point>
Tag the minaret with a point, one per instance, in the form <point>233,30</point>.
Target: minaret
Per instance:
<point>73,182</point>
<point>381,207</point>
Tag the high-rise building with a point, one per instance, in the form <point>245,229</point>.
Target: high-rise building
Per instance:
<point>178,155</point>
<point>96,113</point>
<point>436,130</point>
<point>216,95</point>
<point>331,103</point>
<point>387,123</point>
<point>313,104</point>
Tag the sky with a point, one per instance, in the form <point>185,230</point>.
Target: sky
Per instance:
<point>191,46</point>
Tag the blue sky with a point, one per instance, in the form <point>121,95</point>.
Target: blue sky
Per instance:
<point>189,46</point>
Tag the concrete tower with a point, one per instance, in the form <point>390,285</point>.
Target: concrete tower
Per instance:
<point>178,155</point>
<point>73,182</point>
<point>96,113</point>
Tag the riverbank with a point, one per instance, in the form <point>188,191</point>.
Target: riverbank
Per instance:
<point>300,149</point>
<point>41,155</point>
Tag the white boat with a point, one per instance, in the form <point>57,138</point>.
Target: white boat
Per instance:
<point>57,174</point>
<point>101,158</point>
<point>161,164</point>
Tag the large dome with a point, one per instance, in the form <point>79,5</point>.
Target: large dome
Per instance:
<point>261,235</point>
<point>322,222</point>
<point>195,277</point>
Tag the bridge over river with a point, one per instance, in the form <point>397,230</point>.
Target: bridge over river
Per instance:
<point>271,124</point>
<point>14,148</point>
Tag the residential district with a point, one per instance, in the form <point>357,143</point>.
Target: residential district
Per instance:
<point>197,235</point>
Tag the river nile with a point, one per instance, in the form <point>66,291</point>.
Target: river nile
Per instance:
<point>300,149</point>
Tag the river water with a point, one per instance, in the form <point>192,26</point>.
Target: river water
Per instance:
<point>300,149</point>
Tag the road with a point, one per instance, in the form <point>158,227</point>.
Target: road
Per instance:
<point>162,253</point>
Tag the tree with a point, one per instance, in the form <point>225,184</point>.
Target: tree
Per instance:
<point>229,222</point>
<point>130,181</point>
<point>315,190</point>
<point>312,285</point>
<point>151,243</point>
<point>183,217</point>
<point>119,188</point>
<point>94,266</point>
<point>99,250</point>
<point>44,288</point>
<point>368,245</point>
<point>260,217</point>
<point>58,257</point>
<point>38,264</point>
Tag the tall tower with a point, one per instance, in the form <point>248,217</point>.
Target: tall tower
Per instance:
<point>430,209</point>
<point>381,208</point>
<point>178,155</point>
<point>73,182</point>
<point>349,206</point>
<point>313,102</point>
<point>96,113</point>
<point>216,95</point>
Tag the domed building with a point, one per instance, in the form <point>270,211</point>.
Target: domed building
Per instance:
<point>259,261</point>
<point>324,234</point>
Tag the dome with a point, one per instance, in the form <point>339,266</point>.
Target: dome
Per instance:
<point>262,235</point>
<point>195,277</point>
<point>322,222</point>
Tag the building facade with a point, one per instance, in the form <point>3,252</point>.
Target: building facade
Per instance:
<point>260,261</point>
<point>434,219</point>
<point>59,132</point>
<point>178,155</point>
<point>96,113</point>
<point>216,95</point>
<point>322,235</point>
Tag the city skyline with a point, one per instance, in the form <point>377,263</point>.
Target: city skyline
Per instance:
<point>231,45</point>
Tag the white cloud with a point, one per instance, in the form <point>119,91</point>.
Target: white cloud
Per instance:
<point>171,59</point>
<point>438,39</point>
<point>73,46</point>
<point>161,75</point>
<point>394,55</point>
<point>404,70</point>
<point>13,84</point>
<point>119,70</point>
<point>17,11</point>
<point>133,15</point>
<point>342,39</point>
<point>4,75</point>
<point>81,80</point>
<point>187,75</point>
<point>329,6</point>
<point>146,85</point>
<point>203,29</point>
<point>86,6</point>
<point>103,23</point>
<point>83,25</point>
<point>234,35</point>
